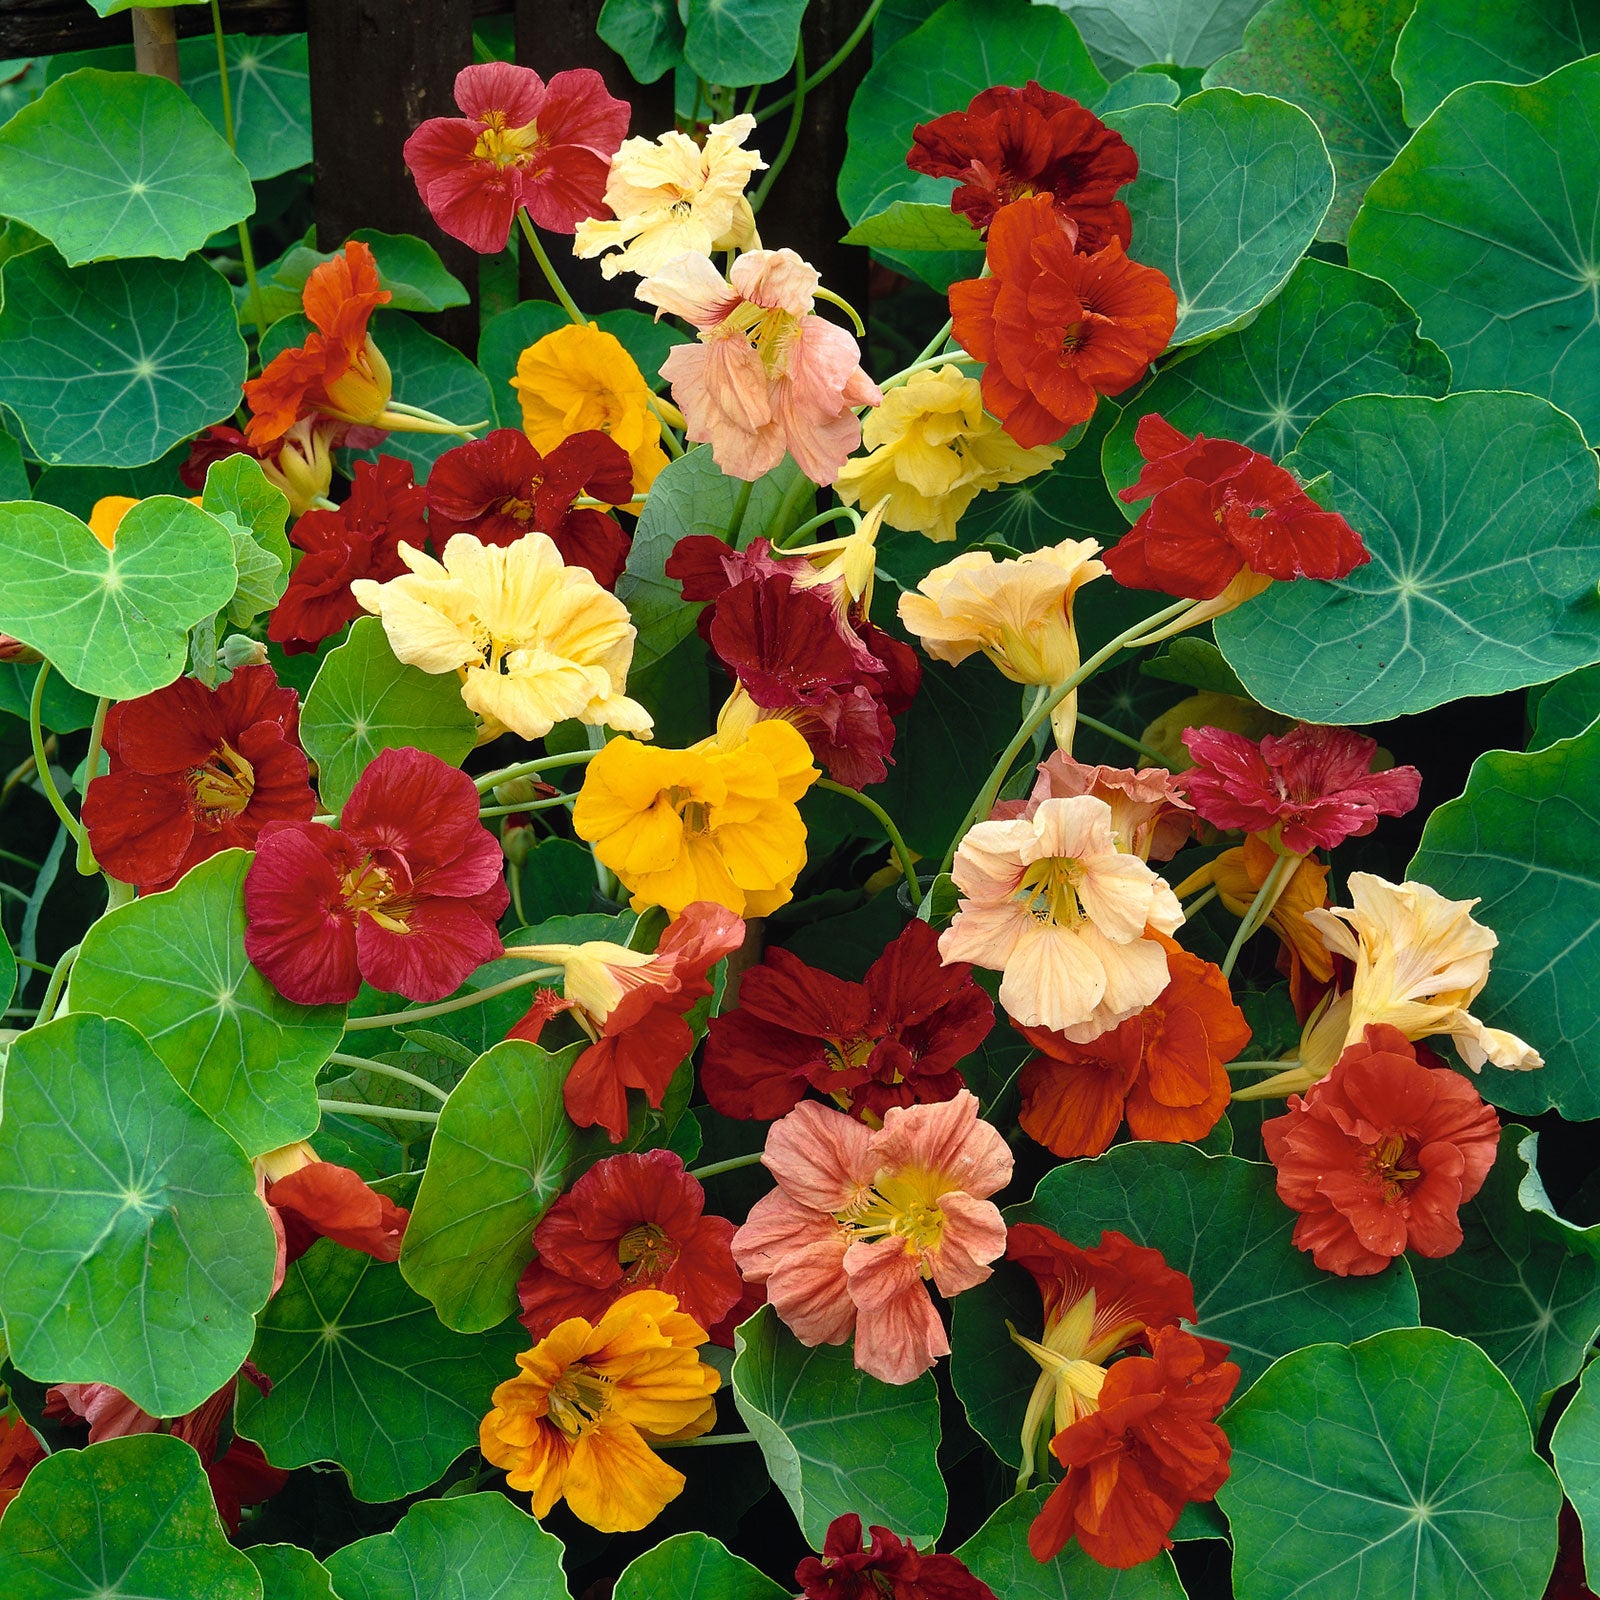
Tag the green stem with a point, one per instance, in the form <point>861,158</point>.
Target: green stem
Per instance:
<point>732,1164</point>
<point>605,880</point>
<point>786,149</point>
<point>547,267</point>
<point>358,1108</point>
<point>21,861</point>
<point>41,762</point>
<point>52,990</point>
<point>927,363</point>
<point>908,863</point>
<point>831,65</point>
<point>247,255</point>
<point>528,805</point>
<point>1272,886</point>
<point>28,961</point>
<point>839,514</point>
<point>705,1439</point>
<point>443,1008</point>
<point>1116,734</point>
<point>527,769</point>
<point>1199,901</point>
<point>384,1070</point>
<point>87,865</point>
<point>1262,1066</point>
<point>938,341</point>
<point>740,505</point>
<point>792,496</point>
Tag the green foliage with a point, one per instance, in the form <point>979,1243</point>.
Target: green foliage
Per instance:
<point>917,225</point>
<point>739,42</point>
<point>269,82</point>
<point>1124,34</point>
<point>647,34</point>
<point>409,269</point>
<point>694,1566</point>
<point>290,1573</point>
<point>1566,707</point>
<point>1575,1448</point>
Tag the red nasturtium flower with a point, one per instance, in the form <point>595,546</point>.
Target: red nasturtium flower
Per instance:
<point>633,1221</point>
<point>360,540</point>
<point>404,894</point>
<point>311,1199</point>
<point>195,771</point>
<point>889,1567</point>
<point>894,1040</point>
<point>1056,328</point>
<point>521,142</point>
<point>20,1453</point>
<point>1380,1156</point>
<point>498,487</point>
<point>300,464</point>
<point>1011,144</point>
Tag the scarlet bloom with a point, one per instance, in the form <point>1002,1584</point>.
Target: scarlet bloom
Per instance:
<point>498,487</point>
<point>890,1565</point>
<point>1057,328</point>
<point>20,1453</point>
<point>1315,785</point>
<point>195,771</point>
<point>521,142</point>
<point>1380,1156</point>
<point>633,1221</point>
<point>1134,1463</point>
<point>894,1040</point>
<point>1011,144</point>
<point>1163,1069</point>
<point>360,540</point>
<point>404,894</point>
<point>300,463</point>
<point>312,1199</point>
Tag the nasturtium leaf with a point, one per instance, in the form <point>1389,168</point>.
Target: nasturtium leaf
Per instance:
<point>65,709</point>
<point>112,364</point>
<point>126,1519</point>
<point>1231,190</point>
<point>8,971</point>
<point>1124,34</point>
<point>466,1547</point>
<point>1217,1219</point>
<point>14,484</point>
<point>740,42</point>
<point>77,489</point>
<point>1480,512</point>
<point>410,269</point>
<point>255,512</point>
<point>647,34</point>
<point>1138,89</point>
<point>173,965</point>
<point>364,701</point>
<point>1575,1448</point>
<point>1566,707</point>
<point>1329,335</point>
<point>290,1573</point>
<point>917,225</point>
<point>1399,1468</point>
<point>1195,662</point>
<point>271,92</point>
<point>134,1248</point>
<point>1472,224</point>
<point>1520,840</point>
<point>118,164</point>
<point>836,1440</point>
<point>694,1566</point>
<point>113,622</point>
<point>364,1374</point>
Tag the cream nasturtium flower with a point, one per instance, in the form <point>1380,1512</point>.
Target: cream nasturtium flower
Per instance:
<point>535,641</point>
<point>672,197</point>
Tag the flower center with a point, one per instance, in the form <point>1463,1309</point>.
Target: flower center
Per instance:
<point>1391,1162</point>
<point>903,1205</point>
<point>772,334</point>
<point>224,785</point>
<point>647,1253</point>
<point>692,810</point>
<point>372,889</point>
<point>578,1399</point>
<point>512,506</point>
<point>1049,891</point>
<point>1074,336</point>
<point>848,1055</point>
<point>507,147</point>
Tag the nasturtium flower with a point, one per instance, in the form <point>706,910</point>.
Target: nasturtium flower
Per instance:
<point>670,197</point>
<point>578,1420</point>
<point>195,771</point>
<point>1149,816</point>
<point>519,143</point>
<point>299,464</point>
<point>861,1221</point>
<point>534,640</point>
<point>890,1566</point>
<point>312,1199</point>
<point>718,821</point>
<point>20,1453</point>
<point>405,894</point>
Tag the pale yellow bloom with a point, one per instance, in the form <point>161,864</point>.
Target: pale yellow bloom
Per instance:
<point>535,641</point>
<point>673,197</point>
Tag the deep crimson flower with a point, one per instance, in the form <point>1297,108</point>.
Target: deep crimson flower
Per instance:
<point>405,894</point>
<point>20,1453</point>
<point>1315,784</point>
<point>300,463</point>
<point>322,1200</point>
<point>1011,144</point>
<point>890,1567</point>
<point>633,1221</point>
<point>498,487</point>
<point>1380,1156</point>
<point>894,1040</point>
<point>195,771</point>
<point>1218,508</point>
<point>1056,328</point>
<point>360,540</point>
<point>521,142</point>
<point>1150,1448</point>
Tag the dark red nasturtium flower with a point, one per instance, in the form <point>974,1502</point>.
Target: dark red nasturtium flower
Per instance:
<point>405,893</point>
<point>889,1567</point>
<point>195,771</point>
<point>498,487</point>
<point>360,540</point>
<point>894,1040</point>
<point>20,1453</point>
<point>1010,144</point>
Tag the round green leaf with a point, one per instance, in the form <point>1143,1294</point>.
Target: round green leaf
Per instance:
<point>740,42</point>
<point>1125,34</point>
<point>647,34</point>
<point>113,622</point>
<point>131,1518</point>
<point>1477,225</point>
<point>173,965</point>
<point>1566,707</point>
<point>1231,190</point>
<point>110,365</point>
<point>271,88</point>
<point>1521,841</point>
<point>65,709</point>
<point>1479,510</point>
<point>8,970</point>
<point>364,1374</point>
<point>836,1440</point>
<point>290,1573</point>
<point>694,1566</point>
<point>1216,1218</point>
<point>1575,1446</point>
<point>133,1247</point>
<point>1400,1468</point>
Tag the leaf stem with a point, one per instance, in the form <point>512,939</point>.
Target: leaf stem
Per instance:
<point>741,504</point>
<point>1259,909</point>
<point>526,769</point>
<point>247,254</point>
<point>41,762</point>
<point>546,804</point>
<point>384,1070</point>
<point>732,1164</point>
<point>705,1439</point>
<point>908,864</point>
<point>359,1108</point>
<point>52,990</point>
<point>1116,734</point>
<point>789,540</point>
<point>926,363</point>
<point>87,865</point>
<point>400,1019</point>
<point>792,134</point>
<point>831,65</point>
<point>547,267</point>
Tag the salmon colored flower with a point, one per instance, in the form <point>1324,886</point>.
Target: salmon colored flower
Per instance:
<point>299,465</point>
<point>671,197</point>
<point>1011,144</point>
<point>1057,329</point>
<point>195,771</point>
<point>1380,1156</point>
<point>890,1565</point>
<point>404,895</point>
<point>1149,816</point>
<point>534,640</point>
<point>718,821</point>
<point>767,374</point>
<point>520,143</point>
<point>312,1199</point>
<point>861,1222</point>
<point>895,1039</point>
<point>578,1420</point>
<point>1072,922</point>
